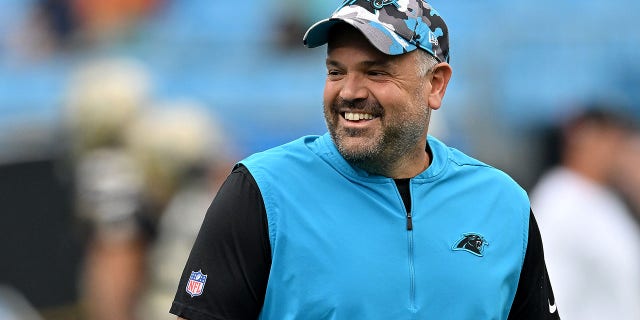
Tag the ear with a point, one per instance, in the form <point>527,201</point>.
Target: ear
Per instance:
<point>439,80</point>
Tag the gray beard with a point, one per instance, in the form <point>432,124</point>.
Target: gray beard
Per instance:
<point>383,156</point>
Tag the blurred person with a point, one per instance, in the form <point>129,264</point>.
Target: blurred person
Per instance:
<point>592,242</point>
<point>104,98</point>
<point>175,148</point>
<point>375,219</point>
<point>146,173</point>
<point>184,154</point>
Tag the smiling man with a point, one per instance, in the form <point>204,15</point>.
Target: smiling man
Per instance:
<point>375,219</point>
<point>377,106</point>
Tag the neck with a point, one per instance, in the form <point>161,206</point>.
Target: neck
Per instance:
<point>588,167</point>
<point>409,168</point>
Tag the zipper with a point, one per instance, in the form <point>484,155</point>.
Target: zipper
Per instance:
<point>410,246</point>
<point>412,273</point>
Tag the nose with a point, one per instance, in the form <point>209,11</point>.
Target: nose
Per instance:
<point>353,88</point>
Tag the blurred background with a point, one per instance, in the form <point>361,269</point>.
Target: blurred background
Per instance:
<point>119,119</point>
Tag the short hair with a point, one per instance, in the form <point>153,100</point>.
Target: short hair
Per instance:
<point>426,62</point>
<point>602,115</point>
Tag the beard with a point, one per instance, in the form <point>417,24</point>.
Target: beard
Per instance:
<point>379,150</point>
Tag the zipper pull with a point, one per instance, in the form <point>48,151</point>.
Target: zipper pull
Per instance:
<point>409,221</point>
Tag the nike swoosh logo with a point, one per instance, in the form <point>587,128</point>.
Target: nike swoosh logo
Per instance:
<point>552,307</point>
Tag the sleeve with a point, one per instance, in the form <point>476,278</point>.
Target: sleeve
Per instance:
<point>226,274</point>
<point>534,298</point>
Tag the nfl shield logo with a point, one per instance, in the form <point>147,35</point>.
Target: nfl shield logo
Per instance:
<point>196,283</point>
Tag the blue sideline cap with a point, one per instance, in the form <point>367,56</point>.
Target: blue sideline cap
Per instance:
<point>392,26</point>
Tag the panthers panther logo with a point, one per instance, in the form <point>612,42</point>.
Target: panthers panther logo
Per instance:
<point>378,4</point>
<point>471,242</point>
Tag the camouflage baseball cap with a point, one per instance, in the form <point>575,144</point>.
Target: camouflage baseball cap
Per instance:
<point>392,26</point>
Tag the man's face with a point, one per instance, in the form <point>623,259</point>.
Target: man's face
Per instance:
<point>375,105</point>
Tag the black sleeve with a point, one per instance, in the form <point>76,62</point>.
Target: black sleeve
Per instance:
<point>233,251</point>
<point>534,299</point>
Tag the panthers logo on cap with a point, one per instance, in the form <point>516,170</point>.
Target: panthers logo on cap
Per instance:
<point>377,4</point>
<point>471,242</point>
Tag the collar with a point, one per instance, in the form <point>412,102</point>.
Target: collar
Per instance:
<point>326,148</point>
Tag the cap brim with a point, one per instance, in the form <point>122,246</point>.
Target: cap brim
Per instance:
<point>381,37</point>
<point>318,33</point>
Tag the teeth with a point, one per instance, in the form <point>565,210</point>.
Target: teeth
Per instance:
<point>354,116</point>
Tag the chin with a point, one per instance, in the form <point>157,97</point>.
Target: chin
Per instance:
<point>356,148</point>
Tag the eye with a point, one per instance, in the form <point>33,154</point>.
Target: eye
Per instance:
<point>334,74</point>
<point>376,73</point>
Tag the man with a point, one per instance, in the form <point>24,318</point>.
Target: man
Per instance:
<point>373,220</point>
<point>594,241</point>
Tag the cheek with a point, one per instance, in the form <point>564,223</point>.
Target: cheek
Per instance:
<point>330,93</point>
<point>387,97</point>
